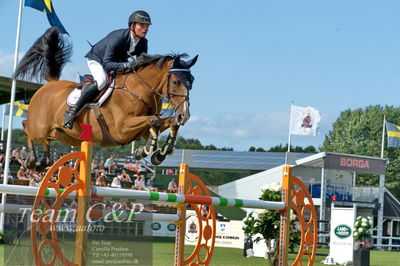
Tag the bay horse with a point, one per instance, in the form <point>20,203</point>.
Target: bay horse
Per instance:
<point>132,111</point>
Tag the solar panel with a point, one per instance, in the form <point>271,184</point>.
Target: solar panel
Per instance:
<point>228,160</point>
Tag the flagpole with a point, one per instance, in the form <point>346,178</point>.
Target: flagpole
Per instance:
<point>290,130</point>
<point>383,135</point>
<point>11,116</point>
<point>2,125</point>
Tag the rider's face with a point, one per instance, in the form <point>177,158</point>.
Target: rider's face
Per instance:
<point>141,29</point>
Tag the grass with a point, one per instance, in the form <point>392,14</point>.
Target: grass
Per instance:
<point>234,257</point>
<point>163,254</point>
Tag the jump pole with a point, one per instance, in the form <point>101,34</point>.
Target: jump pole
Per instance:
<point>181,211</point>
<point>295,195</point>
<point>83,203</point>
<point>63,186</point>
<point>152,197</point>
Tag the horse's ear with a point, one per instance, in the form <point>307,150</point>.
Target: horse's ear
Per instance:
<point>191,63</point>
<point>176,63</point>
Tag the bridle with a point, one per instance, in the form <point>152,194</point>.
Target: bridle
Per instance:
<point>156,93</point>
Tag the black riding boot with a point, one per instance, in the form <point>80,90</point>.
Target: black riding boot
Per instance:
<point>89,92</point>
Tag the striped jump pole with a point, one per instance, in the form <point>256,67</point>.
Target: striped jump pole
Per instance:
<point>186,198</point>
<point>113,194</point>
<point>122,215</point>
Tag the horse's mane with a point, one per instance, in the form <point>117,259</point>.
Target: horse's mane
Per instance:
<point>158,60</point>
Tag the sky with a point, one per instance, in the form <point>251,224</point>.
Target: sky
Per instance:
<point>255,58</point>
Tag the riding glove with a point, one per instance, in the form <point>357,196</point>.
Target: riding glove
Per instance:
<point>130,65</point>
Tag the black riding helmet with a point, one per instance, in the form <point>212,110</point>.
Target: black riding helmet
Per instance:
<point>139,16</point>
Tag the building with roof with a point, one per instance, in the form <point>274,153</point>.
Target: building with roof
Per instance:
<point>332,177</point>
<point>23,91</point>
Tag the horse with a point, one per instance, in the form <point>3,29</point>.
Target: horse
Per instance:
<point>132,111</point>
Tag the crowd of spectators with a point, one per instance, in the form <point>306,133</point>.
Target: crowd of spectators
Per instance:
<point>111,172</point>
<point>21,175</point>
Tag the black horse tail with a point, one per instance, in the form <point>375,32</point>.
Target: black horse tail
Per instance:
<point>46,58</point>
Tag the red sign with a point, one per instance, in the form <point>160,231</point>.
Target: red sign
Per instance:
<point>355,163</point>
<point>86,132</point>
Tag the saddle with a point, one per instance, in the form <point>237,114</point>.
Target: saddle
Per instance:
<point>74,95</point>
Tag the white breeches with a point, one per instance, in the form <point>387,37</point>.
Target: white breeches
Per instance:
<point>98,73</point>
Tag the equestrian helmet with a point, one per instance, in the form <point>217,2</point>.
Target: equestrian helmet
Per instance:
<point>139,16</point>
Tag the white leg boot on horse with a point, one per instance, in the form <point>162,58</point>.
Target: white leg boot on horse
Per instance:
<point>151,144</point>
<point>169,147</point>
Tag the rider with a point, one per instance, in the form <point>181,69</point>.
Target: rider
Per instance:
<point>111,54</point>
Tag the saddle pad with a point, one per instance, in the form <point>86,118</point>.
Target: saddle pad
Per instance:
<point>74,95</point>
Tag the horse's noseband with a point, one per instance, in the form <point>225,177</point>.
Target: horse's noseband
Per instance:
<point>185,81</point>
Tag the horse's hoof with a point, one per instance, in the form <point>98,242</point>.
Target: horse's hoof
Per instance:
<point>170,151</point>
<point>139,153</point>
<point>157,158</point>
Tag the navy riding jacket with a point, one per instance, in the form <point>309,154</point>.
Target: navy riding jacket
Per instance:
<point>112,51</point>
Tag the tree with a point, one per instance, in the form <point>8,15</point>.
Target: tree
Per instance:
<point>360,132</point>
<point>280,148</point>
<point>259,149</point>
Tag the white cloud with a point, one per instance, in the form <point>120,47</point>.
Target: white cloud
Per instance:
<point>6,63</point>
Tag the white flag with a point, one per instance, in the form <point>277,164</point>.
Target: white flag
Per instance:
<point>305,121</point>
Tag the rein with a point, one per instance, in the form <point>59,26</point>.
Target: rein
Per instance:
<point>155,92</point>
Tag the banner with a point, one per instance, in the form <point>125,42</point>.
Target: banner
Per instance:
<point>341,235</point>
<point>154,228</point>
<point>228,234</point>
<point>304,121</point>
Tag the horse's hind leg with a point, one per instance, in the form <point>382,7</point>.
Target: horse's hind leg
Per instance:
<point>45,160</point>
<point>30,162</point>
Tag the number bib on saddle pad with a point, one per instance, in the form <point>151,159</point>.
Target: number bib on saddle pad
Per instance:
<point>74,95</point>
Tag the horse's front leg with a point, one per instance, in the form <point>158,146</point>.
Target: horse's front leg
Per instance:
<point>159,156</point>
<point>151,144</point>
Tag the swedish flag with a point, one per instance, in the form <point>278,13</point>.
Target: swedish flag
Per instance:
<point>393,133</point>
<point>46,6</point>
<point>19,109</point>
